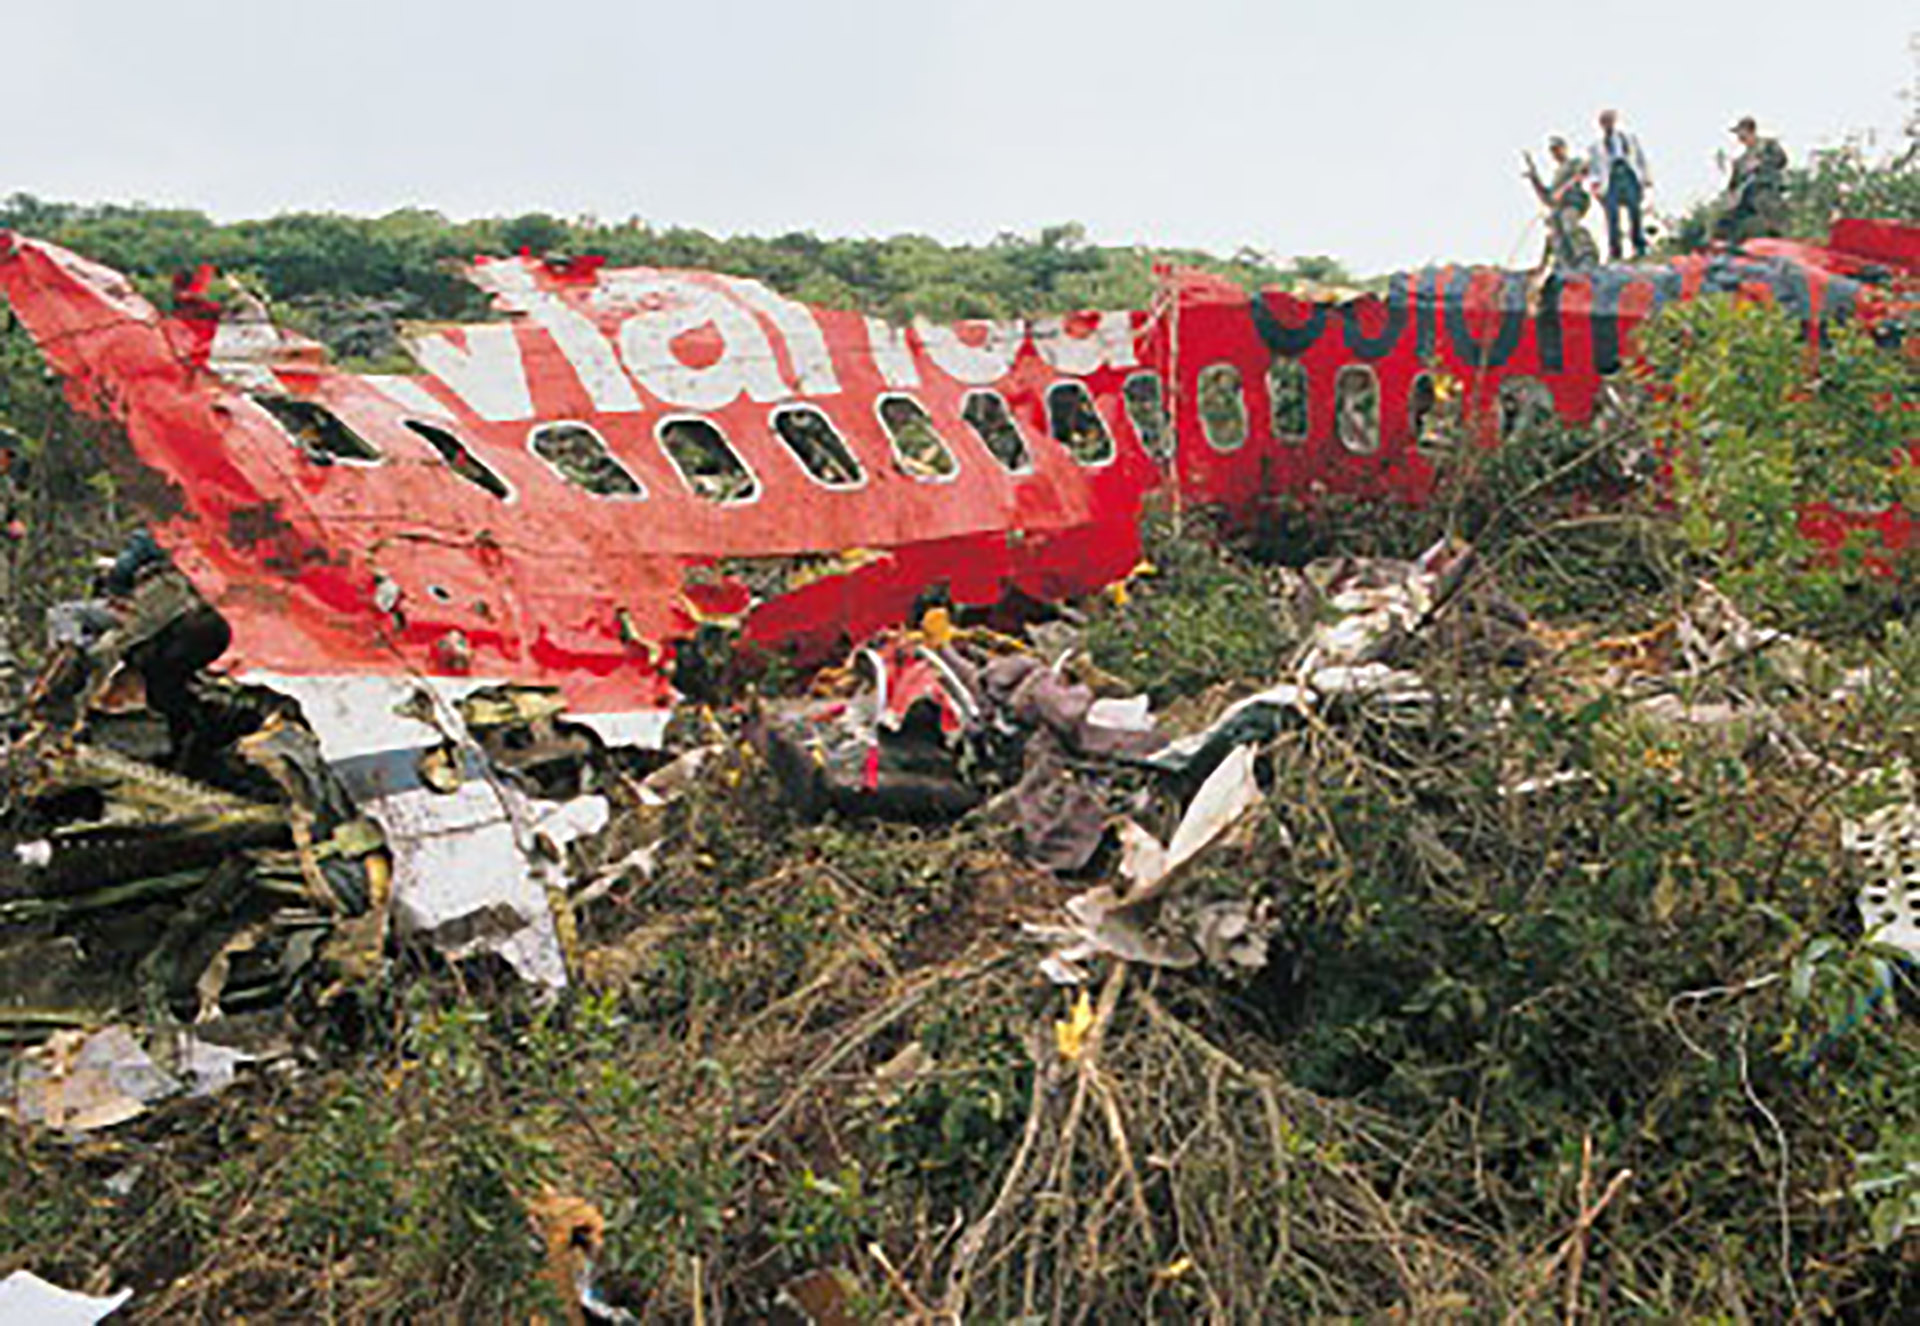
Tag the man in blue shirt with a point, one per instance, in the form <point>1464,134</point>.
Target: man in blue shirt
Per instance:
<point>1618,169</point>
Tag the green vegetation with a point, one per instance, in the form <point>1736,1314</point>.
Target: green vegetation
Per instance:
<point>818,1047</point>
<point>348,280</point>
<point>1764,428</point>
<point>1531,937</point>
<point>1214,615</point>
<point>67,505</point>
<point>1851,179</point>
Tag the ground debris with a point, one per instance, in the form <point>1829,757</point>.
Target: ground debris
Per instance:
<point>181,847</point>
<point>77,1082</point>
<point>28,1300</point>
<point>937,724</point>
<point>803,1063</point>
<point>177,837</point>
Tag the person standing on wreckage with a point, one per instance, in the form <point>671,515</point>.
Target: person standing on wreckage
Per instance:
<point>1569,246</point>
<point>1755,203</point>
<point>1618,169</point>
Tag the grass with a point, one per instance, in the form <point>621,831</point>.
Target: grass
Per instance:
<point>1612,1047</point>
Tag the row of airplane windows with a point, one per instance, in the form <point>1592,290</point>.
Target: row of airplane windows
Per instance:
<point>1522,402</point>
<point>714,470</point>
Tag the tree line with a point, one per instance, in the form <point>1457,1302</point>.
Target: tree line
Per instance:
<point>350,279</point>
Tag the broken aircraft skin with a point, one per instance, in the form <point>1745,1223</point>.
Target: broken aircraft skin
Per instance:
<point>560,497</point>
<point>1356,378</point>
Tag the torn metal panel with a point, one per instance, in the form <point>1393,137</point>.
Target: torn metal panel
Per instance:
<point>933,722</point>
<point>477,869</point>
<point>79,1082</point>
<point>348,525</point>
<point>1227,797</point>
<point>528,506</point>
<point>196,869</point>
<point>1886,843</point>
<point>1131,923</point>
<point>477,861</point>
<point>27,1300</point>
<point>176,845</point>
<point>1257,380</point>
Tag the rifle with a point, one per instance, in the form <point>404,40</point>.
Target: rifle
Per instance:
<point>1533,178</point>
<point>1567,241</point>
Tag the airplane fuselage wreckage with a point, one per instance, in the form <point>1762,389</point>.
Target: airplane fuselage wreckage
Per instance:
<point>562,496</point>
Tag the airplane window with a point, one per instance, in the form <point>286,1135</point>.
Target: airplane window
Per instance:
<point>918,451</point>
<point>1526,406</point>
<point>1424,417</point>
<point>810,435</point>
<point>1077,425</point>
<point>1223,407</point>
<point>1147,409</point>
<point>986,413</point>
<point>1288,391</point>
<point>460,460</point>
<point>1356,408</point>
<point>579,455</point>
<point>711,468</point>
<point>317,431</point>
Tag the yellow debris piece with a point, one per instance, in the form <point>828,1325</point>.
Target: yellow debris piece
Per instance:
<point>573,1231</point>
<point>936,624</point>
<point>1070,1034</point>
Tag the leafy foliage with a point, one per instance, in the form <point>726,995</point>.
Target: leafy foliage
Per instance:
<point>1211,615</point>
<point>1851,179</point>
<point>349,279</point>
<point>59,505</point>
<point>1761,426</point>
<point>793,1043</point>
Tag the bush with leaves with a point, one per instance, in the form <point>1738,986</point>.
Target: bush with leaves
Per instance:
<point>347,279</point>
<point>1761,428</point>
<point>68,507</point>
<point>1210,615</point>
<point>1849,179</point>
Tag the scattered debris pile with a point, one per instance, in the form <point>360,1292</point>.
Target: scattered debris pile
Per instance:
<point>782,1031</point>
<point>934,723</point>
<point>177,849</point>
<point>182,847</point>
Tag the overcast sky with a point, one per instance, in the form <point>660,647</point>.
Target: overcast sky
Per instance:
<point>1385,132</point>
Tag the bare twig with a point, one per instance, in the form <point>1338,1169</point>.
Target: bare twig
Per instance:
<point>1117,1129</point>
<point>1575,1241</point>
<point>921,1312</point>
<point>1781,1191</point>
<point>1711,992</point>
<point>1577,1257</point>
<point>861,1032</point>
<point>1060,1177</point>
<point>967,1252</point>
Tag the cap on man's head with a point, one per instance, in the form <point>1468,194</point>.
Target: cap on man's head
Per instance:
<point>1556,141</point>
<point>1746,123</point>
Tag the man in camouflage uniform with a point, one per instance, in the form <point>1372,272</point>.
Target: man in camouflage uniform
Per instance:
<point>1755,203</point>
<point>1569,245</point>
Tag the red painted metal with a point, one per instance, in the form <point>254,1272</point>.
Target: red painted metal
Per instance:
<point>406,564</point>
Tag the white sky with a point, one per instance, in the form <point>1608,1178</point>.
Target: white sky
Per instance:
<point>1385,132</point>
